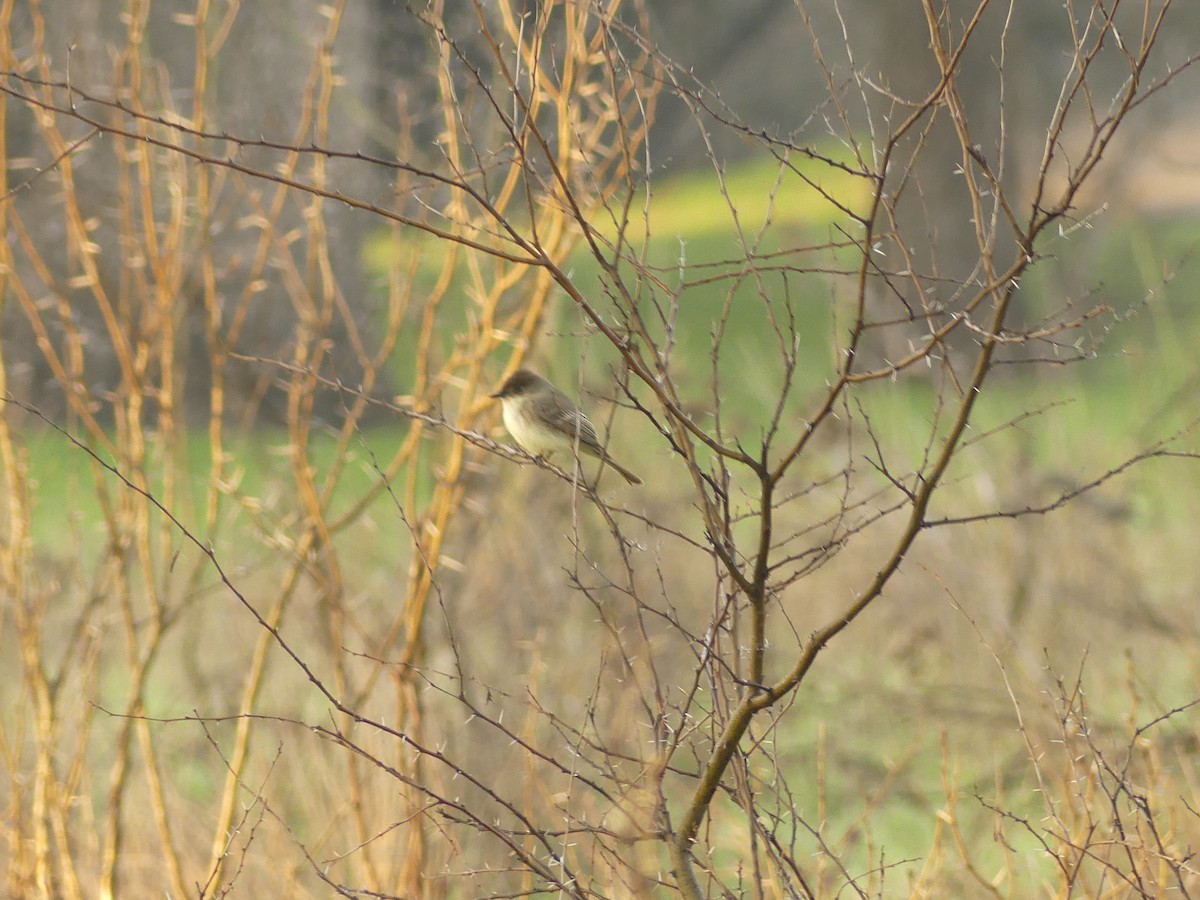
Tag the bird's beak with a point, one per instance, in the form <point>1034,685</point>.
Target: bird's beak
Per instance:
<point>498,395</point>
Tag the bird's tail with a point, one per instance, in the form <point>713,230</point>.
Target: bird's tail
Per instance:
<point>629,476</point>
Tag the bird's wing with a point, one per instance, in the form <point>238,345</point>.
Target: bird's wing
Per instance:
<point>565,417</point>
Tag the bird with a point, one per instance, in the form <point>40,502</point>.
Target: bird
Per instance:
<point>542,420</point>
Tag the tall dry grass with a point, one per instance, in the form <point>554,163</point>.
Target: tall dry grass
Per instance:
<point>261,639</point>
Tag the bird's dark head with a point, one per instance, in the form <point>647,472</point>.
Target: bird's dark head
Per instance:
<point>519,383</point>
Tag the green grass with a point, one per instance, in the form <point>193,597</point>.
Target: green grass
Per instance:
<point>757,195</point>
<point>63,489</point>
<point>692,242</point>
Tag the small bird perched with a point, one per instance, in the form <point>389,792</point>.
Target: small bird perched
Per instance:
<point>542,419</point>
